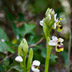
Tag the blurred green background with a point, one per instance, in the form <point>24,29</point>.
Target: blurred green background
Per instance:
<point>20,19</point>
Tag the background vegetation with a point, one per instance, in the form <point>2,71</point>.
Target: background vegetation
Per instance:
<point>19,19</point>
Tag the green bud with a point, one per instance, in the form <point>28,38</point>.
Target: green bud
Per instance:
<point>52,12</point>
<point>23,47</point>
<point>48,12</point>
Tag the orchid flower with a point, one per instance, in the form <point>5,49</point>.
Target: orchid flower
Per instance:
<point>57,42</point>
<point>19,59</point>
<point>57,23</point>
<point>35,66</point>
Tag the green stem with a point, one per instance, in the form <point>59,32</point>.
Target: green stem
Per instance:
<point>24,62</point>
<point>47,55</point>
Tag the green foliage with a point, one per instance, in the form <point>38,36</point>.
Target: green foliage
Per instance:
<point>3,35</point>
<point>27,30</point>
<point>39,6</point>
<point>65,57</point>
<point>16,67</point>
<point>53,59</point>
<point>24,29</point>
<point>4,46</point>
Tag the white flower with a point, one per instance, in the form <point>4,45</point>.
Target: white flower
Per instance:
<point>19,59</point>
<point>35,66</point>
<point>2,40</point>
<point>56,20</point>
<point>41,22</point>
<point>57,42</point>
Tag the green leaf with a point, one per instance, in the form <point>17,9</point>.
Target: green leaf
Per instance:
<point>65,56</point>
<point>24,29</point>
<point>4,46</point>
<point>6,64</point>
<point>3,35</point>
<point>30,59</point>
<point>53,59</point>
<point>10,16</point>
<point>21,17</point>
<point>17,67</point>
<point>43,53</point>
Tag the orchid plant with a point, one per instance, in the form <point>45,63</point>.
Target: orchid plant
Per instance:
<point>22,54</point>
<point>51,22</point>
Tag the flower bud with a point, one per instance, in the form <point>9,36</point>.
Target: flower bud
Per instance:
<point>23,47</point>
<point>52,12</point>
<point>48,12</point>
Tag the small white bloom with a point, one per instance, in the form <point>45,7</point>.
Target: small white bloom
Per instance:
<point>36,62</point>
<point>19,59</point>
<point>35,66</point>
<point>41,22</point>
<point>2,40</point>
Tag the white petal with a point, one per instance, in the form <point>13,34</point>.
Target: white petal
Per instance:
<point>55,25</point>
<point>55,16</point>
<point>54,38</point>
<point>34,69</point>
<point>19,59</point>
<point>56,20</point>
<point>52,43</point>
<point>49,17</point>
<point>41,22</point>
<point>36,62</point>
<point>61,39</point>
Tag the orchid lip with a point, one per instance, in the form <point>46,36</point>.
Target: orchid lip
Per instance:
<point>60,46</point>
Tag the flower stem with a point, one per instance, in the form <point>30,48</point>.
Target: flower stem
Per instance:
<point>47,55</point>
